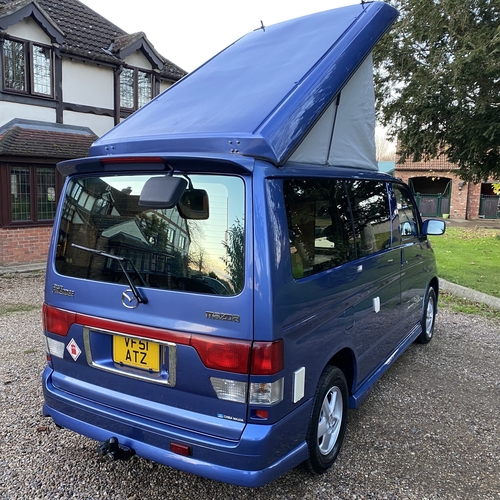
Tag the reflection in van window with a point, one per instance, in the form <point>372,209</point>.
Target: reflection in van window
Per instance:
<point>160,248</point>
<point>370,209</point>
<point>406,217</point>
<point>322,232</point>
<point>320,229</point>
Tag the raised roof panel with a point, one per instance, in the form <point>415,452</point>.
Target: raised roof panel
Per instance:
<point>263,94</point>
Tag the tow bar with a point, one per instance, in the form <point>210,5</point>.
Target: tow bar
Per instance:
<point>113,450</point>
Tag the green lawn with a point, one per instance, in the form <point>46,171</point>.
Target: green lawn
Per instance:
<point>470,257</point>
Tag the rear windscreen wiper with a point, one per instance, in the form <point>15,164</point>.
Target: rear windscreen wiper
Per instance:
<point>137,294</point>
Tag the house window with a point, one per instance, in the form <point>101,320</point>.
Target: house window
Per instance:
<point>27,68</point>
<point>32,192</point>
<point>136,88</point>
<point>20,194</point>
<point>182,242</point>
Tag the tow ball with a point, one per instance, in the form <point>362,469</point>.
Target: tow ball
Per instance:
<point>113,450</point>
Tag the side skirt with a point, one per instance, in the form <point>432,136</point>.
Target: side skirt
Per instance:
<point>359,396</point>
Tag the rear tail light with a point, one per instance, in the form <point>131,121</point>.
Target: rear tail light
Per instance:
<point>221,354</point>
<point>56,320</point>
<point>230,390</point>
<point>268,393</point>
<point>260,393</point>
<point>235,356</point>
<point>55,347</point>
<point>267,358</point>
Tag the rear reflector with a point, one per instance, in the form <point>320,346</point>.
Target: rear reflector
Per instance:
<point>260,414</point>
<point>181,449</point>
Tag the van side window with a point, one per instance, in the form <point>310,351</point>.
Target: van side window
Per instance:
<point>405,219</point>
<point>319,224</point>
<point>371,215</point>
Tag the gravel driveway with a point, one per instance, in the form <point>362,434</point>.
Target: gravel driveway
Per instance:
<point>429,430</point>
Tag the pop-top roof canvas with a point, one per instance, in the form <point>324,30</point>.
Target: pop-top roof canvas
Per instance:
<point>299,91</point>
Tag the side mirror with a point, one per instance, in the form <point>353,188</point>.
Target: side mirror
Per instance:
<point>193,204</point>
<point>162,192</point>
<point>433,227</point>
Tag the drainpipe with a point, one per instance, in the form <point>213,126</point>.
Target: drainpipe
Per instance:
<point>467,204</point>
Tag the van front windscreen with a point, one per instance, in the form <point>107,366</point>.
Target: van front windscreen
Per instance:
<point>106,233</point>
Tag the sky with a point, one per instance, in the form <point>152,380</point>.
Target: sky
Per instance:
<point>189,33</point>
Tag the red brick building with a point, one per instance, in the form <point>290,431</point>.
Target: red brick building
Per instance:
<point>439,191</point>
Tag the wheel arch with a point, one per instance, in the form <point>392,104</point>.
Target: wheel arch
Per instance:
<point>345,361</point>
<point>434,283</point>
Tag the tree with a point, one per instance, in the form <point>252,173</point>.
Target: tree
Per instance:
<point>437,78</point>
<point>235,255</point>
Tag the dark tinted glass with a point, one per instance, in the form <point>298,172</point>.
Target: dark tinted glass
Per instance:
<point>167,250</point>
<point>323,233</point>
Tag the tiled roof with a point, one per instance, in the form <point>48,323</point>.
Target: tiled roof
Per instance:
<point>123,41</point>
<point>44,140</point>
<point>441,164</point>
<point>87,33</point>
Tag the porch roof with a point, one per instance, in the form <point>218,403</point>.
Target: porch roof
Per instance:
<point>29,138</point>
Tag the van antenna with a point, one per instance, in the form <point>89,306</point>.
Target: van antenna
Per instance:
<point>262,27</point>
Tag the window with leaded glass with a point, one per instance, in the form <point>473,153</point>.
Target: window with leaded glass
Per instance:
<point>46,193</point>
<point>28,194</point>
<point>136,88</point>
<point>27,67</point>
<point>14,65</point>
<point>42,70</point>
<point>127,88</point>
<point>20,194</point>
<point>143,88</point>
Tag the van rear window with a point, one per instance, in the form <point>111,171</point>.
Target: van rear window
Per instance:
<point>103,229</point>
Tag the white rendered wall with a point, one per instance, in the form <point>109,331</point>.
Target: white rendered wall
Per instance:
<point>98,124</point>
<point>28,29</point>
<point>87,84</point>
<point>11,110</point>
<point>139,60</point>
<point>164,86</point>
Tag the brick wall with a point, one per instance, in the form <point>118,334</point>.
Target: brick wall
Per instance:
<point>24,245</point>
<point>458,202</point>
<point>464,202</point>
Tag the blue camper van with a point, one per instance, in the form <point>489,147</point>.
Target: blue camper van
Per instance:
<point>229,272</point>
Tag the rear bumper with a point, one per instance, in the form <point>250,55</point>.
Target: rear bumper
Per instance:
<point>261,455</point>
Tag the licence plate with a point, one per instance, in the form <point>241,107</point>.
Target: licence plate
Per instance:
<point>136,352</point>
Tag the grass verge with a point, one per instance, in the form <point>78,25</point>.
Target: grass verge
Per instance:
<point>458,304</point>
<point>470,257</point>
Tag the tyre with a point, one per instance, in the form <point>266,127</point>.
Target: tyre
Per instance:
<point>428,317</point>
<point>328,421</point>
